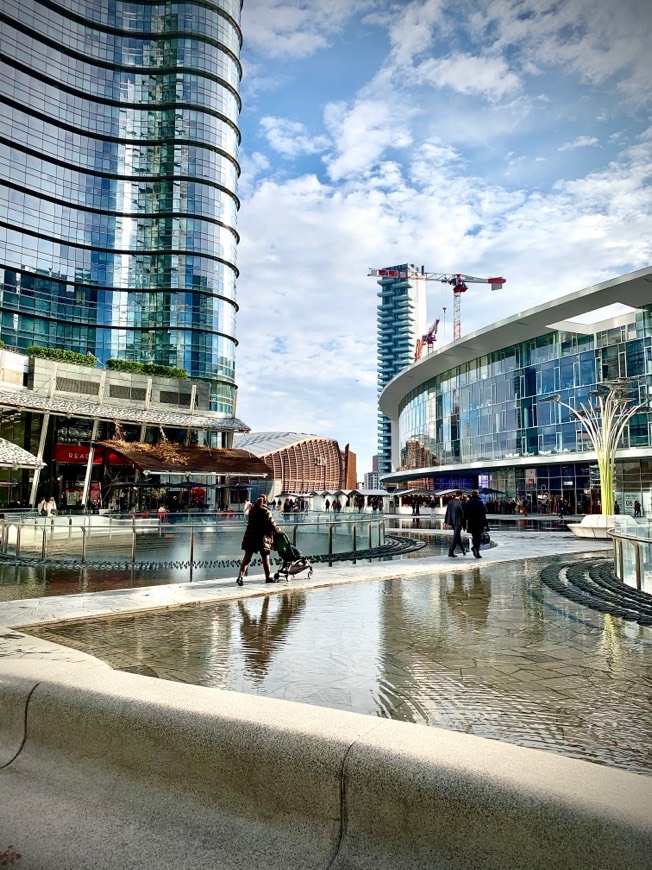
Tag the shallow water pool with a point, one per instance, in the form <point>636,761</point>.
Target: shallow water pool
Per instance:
<point>488,651</point>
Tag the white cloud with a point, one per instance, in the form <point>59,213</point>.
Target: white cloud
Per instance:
<point>362,133</point>
<point>589,38</point>
<point>489,77</point>
<point>291,138</point>
<point>296,28</point>
<point>580,142</point>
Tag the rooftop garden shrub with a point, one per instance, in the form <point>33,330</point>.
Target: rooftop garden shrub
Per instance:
<point>55,353</point>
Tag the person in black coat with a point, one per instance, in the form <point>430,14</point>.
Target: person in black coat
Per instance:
<point>475,514</point>
<point>454,519</point>
<point>258,538</point>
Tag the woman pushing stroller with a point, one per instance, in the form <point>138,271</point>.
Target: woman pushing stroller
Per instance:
<point>258,538</point>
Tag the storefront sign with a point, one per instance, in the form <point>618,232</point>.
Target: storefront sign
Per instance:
<point>77,454</point>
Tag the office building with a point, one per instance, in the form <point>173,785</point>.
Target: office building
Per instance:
<point>118,172</point>
<point>401,323</point>
<point>477,412</point>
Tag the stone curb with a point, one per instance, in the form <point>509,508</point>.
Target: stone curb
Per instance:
<point>115,770</point>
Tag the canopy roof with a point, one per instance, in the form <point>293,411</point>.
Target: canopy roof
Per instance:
<point>28,400</point>
<point>168,458</point>
<point>13,456</point>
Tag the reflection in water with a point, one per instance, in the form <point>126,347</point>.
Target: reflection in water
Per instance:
<point>469,597</point>
<point>260,635</point>
<point>489,651</point>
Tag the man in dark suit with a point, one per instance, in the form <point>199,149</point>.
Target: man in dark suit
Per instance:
<point>475,514</point>
<point>454,519</point>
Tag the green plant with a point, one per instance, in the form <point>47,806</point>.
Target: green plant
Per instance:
<point>129,365</point>
<point>56,353</point>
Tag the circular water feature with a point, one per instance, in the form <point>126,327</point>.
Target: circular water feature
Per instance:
<point>490,651</point>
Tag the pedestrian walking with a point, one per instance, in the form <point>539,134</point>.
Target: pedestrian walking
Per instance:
<point>51,507</point>
<point>454,520</point>
<point>637,509</point>
<point>258,538</point>
<point>40,507</point>
<point>475,514</point>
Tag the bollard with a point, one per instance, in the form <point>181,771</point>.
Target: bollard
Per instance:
<point>354,540</point>
<point>5,537</point>
<point>381,541</point>
<point>369,528</point>
<point>330,539</point>
<point>69,527</point>
<point>18,531</point>
<point>294,534</point>
<point>192,550</point>
<point>44,543</point>
<point>83,546</point>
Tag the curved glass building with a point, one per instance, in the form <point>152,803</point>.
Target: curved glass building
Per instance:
<point>118,171</point>
<point>478,412</point>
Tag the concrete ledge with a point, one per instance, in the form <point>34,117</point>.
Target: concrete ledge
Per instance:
<point>122,771</point>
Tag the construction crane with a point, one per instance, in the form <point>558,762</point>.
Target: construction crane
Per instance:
<point>426,340</point>
<point>458,281</point>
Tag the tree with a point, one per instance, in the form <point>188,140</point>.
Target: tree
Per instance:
<point>604,420</point>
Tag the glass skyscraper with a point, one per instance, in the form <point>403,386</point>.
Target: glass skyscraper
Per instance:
<point>118,169</point>
<point>401,322</point>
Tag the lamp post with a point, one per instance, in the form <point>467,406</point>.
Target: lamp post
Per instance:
<point>604,421</point>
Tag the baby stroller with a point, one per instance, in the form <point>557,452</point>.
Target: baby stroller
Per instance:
<point>293,561</point>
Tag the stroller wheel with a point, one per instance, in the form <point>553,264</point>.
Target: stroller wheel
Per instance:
<point>309,573</point>
<point>276,576</point>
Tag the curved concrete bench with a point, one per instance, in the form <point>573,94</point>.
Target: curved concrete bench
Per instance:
<point>115,770</point>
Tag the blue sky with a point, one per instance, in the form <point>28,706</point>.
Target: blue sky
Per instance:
<point>495,137</point>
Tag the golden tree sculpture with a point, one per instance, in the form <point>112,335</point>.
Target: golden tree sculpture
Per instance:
<point>604,421</point>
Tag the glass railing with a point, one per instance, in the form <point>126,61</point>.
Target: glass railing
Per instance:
<point>632,540</point>
<point>201,539</point>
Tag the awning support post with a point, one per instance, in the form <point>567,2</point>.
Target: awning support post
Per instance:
<point>89,463</point>
<point>39,456</point>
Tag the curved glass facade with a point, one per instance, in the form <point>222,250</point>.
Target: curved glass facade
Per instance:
<point>118,173</point>
<point>490,410</point>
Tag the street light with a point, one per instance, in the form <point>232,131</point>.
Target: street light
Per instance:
<point>604,421</point>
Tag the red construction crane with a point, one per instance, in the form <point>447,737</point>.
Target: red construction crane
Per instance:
<point>458,282</point>
<point>426,340</point>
